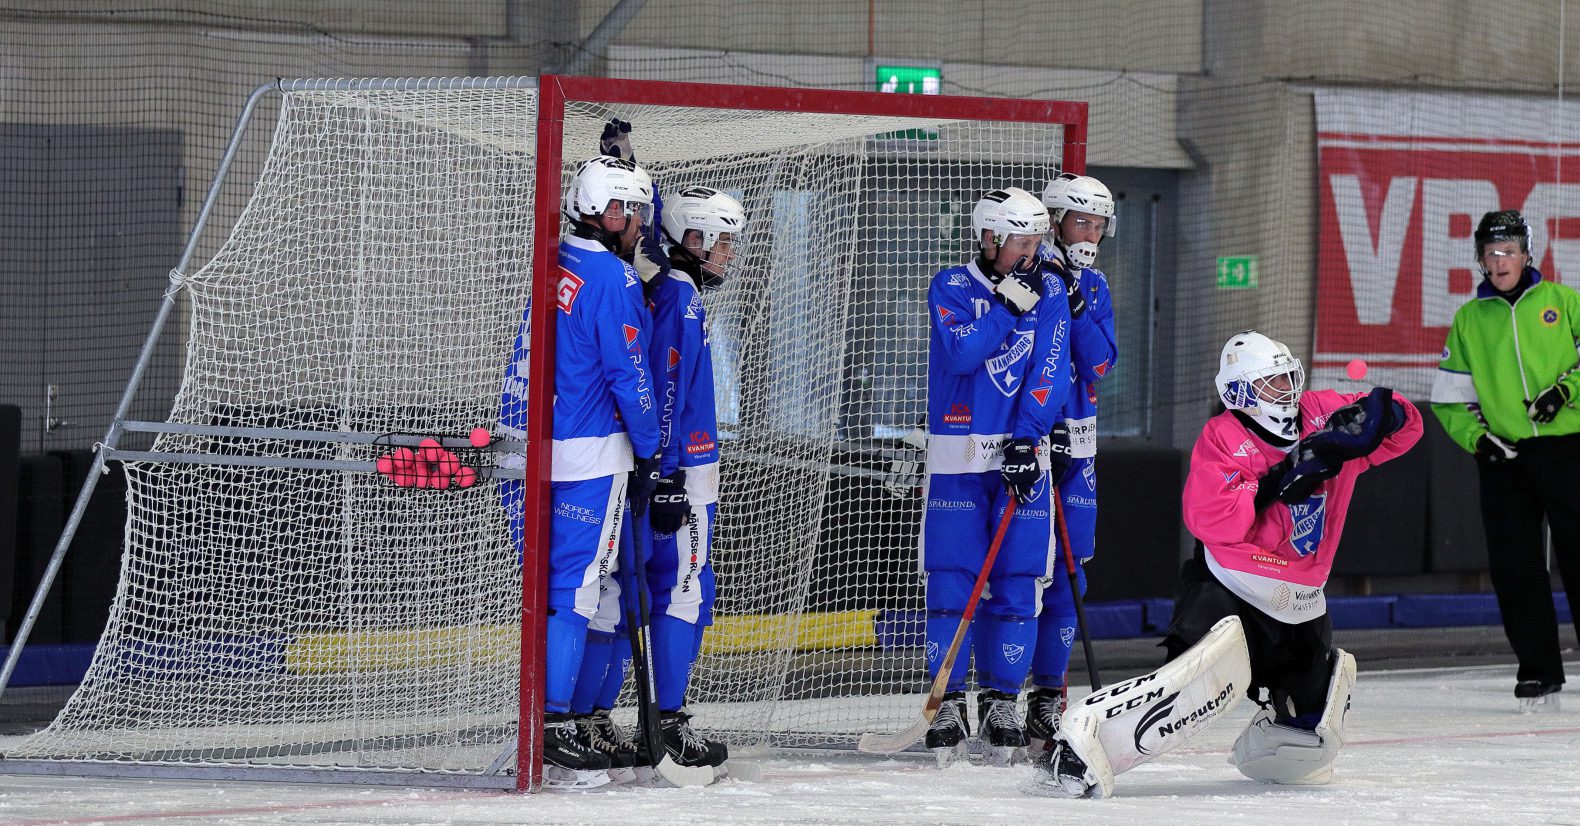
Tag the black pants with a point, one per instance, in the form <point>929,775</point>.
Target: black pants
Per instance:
<point>1293,662</point>
<point>1542,482</point>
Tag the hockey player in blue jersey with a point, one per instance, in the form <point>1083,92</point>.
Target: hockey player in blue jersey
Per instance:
<point>606,436</point>
<point>997,379</point>
<point>1082,213</point>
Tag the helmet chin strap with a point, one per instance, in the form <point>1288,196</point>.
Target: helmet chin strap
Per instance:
<point>593,232</point>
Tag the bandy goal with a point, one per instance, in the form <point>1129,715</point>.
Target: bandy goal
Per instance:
<point>284,611</point>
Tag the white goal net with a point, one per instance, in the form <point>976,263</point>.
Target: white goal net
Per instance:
<point>281,606</point>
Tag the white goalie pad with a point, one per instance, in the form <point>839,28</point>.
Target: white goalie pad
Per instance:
<point>1273,753</point>
<point>1130,723</point>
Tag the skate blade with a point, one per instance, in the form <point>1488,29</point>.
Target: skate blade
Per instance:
<point>674,774</point>
<point>1544,703</point>
<point>574,780</point>
<point>946,756</point>
<point>1002,756</point>
<point>622,776</point>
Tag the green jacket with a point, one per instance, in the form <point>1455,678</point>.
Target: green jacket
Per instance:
<point>1499,356</point>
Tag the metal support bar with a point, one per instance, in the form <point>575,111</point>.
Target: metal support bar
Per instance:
<point>598,42</point>
<point>233,460</point>
<point>301,435</point>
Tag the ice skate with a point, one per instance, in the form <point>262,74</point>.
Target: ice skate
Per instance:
<point>600,732</point>
<point>946,737</point>
<point>1044,713</point>
<point>1535,696</point>
<point>685,746</point>
<point>1059,773</point>
<point>1002,735</point>
<point>569,761</point>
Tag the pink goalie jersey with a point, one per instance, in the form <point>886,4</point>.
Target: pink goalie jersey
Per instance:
<point>1277,560</point>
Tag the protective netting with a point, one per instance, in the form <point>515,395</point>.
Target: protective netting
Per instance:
<point>299,615</point>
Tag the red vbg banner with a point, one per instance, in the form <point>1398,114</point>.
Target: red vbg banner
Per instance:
<point>1397,213</point>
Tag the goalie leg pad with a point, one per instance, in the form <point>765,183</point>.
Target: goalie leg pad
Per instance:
<point>1130,723</point>
<point>1274,753</point>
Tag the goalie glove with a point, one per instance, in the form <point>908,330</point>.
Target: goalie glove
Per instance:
<point>643,480</point>
<point>1357,429</point>
<point>616,140</point>
<point>1495,450</point>
<point>1296,477</point>
<point>1544,408</point>
<point>1020,289</point>
<point>1020,469</point>
<point>671,507</point>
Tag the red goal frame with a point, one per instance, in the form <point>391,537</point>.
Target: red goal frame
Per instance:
<point>553,93</point>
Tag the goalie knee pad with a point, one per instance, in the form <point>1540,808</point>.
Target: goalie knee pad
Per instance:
<point>1275,752</point>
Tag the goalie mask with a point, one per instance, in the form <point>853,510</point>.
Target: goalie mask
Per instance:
<point>1006,212</point>
<point>712,214</point>
<point>1081,193</point>
<point>1260,377</point>
<point>603,180</point>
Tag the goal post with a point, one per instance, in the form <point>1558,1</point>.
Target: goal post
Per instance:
<point>285,611</point>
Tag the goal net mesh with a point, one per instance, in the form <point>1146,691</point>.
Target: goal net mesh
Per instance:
<point>293,615</point>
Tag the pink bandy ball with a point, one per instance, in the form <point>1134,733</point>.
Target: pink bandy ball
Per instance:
<point>480,437</point>
<point>1356,369</point>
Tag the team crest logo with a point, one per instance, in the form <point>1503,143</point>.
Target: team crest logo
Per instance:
<point>1089,473</point>
<point>932,651</point>
<point>1550,317</point>
<point>1013,653</point>
<point>1067,636</point>
<point>1007,368</point>
<point>1309,517</point>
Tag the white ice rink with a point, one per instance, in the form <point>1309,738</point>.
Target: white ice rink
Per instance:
<point>1425,746</point>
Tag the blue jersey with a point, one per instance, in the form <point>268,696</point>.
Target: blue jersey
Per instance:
<point>991,375</point>
<point>687,422</point>
<point>604,405</point>
<point>1093,353</point>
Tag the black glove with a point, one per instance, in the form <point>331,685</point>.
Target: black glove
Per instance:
<point>1021,288</point>
<point>1495,450</point>
<point>671,508</point>
<point>1060,456</point>
<point>1072,291</point>
<point>643,480</point>
<point>1296,477</point>
<point>1020,468</point>
<point>1357,429</point>
<point>1544,408</point>
<point>650,261</point>
<point>616,140</point>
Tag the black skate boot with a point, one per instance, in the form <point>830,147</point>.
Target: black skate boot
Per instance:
<point>569,761</point>
<point>1059,773</point>
<point>946,737</point>
<point>685,746</point>
<point>1535,695</point>
<point>1000,730</point>
<point>600,732</point>
<point>1044,714</point>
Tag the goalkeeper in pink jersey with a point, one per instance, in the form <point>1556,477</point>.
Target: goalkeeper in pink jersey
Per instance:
<point>1270,482</point>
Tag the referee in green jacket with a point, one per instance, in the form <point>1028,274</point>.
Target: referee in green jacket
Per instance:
<point>1503,392</point>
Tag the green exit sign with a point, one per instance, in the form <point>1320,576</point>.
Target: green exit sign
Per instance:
<point>1236,272</point>
<point>909,80</point>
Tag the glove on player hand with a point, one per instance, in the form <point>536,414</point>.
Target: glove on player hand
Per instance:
<point>1072,290</point>
<point>1020,468</point>
<point>1060,456</point>
<point>1021,288</point>
<point>1495,450</point>
<point>1544,408</point>
<point>1296,477</point>
<point>1357,429</point>
<point>643,480</point>
<point>671,507</point>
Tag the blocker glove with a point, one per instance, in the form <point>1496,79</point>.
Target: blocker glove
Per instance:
<point>671,507</point>
<point>1544,408</point>
<point>643,480</point>
<point>1020,468</point>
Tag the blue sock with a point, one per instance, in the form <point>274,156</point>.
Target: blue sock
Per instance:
<point>674,642</point>
<point>1004,652</point>
<point>940,633</point>
<point>619,664</point>
<point>1055,640</point>
<point>567,640</point>
<point>595,663</point>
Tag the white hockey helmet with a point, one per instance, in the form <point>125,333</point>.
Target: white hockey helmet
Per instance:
<point>1009,211</point>
<point>705,210</point>
<point>1247,370</point>
<point>603,179</point>
<point>1082,193</point>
